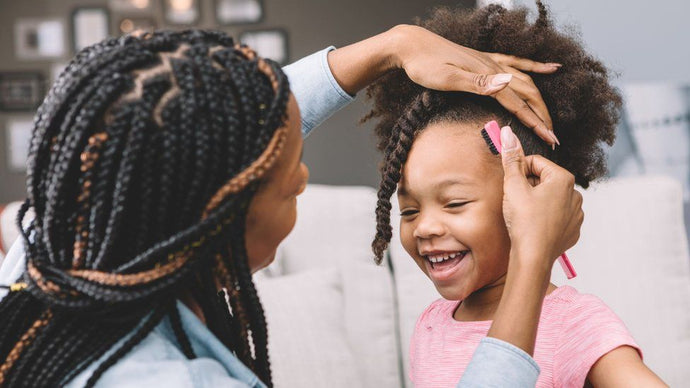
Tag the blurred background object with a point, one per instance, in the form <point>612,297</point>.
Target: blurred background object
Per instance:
<point>38,38</point>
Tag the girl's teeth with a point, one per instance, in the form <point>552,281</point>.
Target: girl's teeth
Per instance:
<point>440,258</point>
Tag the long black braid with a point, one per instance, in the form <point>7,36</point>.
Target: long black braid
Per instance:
<point>145,156</point>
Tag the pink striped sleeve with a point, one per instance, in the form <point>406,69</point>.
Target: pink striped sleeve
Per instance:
<point>590,330</point>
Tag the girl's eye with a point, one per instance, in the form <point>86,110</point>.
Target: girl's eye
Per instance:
<point>456,204</point>
<point>408,212</point>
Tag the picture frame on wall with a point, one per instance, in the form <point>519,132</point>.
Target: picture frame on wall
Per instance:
<point>229,12</point>
<point>90,25</point>
<point>130,24</point>
<point>130,6</point>
<point>17,141</point>
<point>38,39</point>
<point>271,43</point>
<point>181,12</point>
<point>21,91</point>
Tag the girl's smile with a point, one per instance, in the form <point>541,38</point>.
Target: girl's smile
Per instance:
<point>452,225</point>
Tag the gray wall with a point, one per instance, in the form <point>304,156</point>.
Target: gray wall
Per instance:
<point>642,40</point>
<point>340,152</point>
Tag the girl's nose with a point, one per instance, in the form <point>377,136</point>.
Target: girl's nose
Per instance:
<point>428,227</point>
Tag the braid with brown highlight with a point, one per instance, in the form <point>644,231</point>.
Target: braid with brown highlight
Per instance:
<point>145,156</point>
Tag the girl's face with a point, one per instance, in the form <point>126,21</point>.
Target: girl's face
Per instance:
<point>450,196</point>
<point>273,210</point>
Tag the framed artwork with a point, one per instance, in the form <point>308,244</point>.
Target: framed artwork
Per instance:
<point>36,39</point>
<point>128,25</point>
<point>21,91</point>
<point>17,142</point>
<point>272,44</point>
<point>239,11</point>
<point>130,6</point>
<point>89,25</point>
<point>181,12</point>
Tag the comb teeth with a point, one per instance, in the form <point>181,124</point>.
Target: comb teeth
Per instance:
<point>492,136</point>
<point>489,142</point>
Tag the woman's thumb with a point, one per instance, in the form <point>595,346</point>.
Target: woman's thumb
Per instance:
<point>512,155</point>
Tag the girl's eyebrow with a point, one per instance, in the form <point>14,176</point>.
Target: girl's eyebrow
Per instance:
<point>440,185</point>
<point>453,182</point>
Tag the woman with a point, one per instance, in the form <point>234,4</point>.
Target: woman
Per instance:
<point>163,171</point>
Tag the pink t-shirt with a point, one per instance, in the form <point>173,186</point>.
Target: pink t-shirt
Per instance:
<point>574,331</point>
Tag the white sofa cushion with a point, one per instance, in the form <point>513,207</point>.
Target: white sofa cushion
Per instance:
<point>633,254</point>
<point>306,330</point>
<point>335,226</point>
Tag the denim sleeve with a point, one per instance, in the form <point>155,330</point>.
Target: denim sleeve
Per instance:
<point>12,267</point>
<point>496,363</point>
<point>317,92</point>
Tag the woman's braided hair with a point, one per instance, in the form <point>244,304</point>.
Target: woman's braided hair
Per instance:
<point>145,156</point>
<point>584,107</point>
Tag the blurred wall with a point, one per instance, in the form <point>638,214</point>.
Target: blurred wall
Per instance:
<point>340,152</point>
<point>641,40</point>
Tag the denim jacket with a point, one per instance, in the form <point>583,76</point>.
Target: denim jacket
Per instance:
<point>159,361</point>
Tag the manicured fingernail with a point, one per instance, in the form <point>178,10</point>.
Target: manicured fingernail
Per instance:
<point>500,80</point>
<point>553,64</point>
<point>508,139</point>
<point>553,135</point>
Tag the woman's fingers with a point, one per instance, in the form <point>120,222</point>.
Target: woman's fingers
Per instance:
<point>454,78</point>
<point>525,64</point>
<point>521,109</point>
<point>542,168</point>
<point>525,88</point>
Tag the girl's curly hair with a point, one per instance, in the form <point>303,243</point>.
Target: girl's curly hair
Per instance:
<point>584,106</point>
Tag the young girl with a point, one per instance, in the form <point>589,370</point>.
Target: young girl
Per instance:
<point>450,190</point>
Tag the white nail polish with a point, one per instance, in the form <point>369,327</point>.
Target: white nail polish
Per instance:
<point>501,79</point>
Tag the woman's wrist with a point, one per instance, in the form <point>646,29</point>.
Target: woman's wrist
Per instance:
<point>356,66</point>
<point>518,313</point>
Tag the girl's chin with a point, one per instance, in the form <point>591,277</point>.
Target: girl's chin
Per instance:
<point>449,293</point>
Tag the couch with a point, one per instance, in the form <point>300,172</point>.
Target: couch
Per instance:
<point>338,320</point>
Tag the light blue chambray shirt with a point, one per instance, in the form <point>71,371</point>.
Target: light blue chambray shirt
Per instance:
<point>159,361</point>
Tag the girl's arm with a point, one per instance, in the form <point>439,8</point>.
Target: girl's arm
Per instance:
<point>622,367</point>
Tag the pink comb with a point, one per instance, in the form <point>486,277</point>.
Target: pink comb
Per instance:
<point>492,135</point>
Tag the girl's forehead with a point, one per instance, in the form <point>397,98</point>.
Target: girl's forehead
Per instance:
<point>449,152</point>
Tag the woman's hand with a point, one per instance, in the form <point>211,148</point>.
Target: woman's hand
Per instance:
<point>541,208</point>
<point>437,63</point>
<point>543,213</point>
